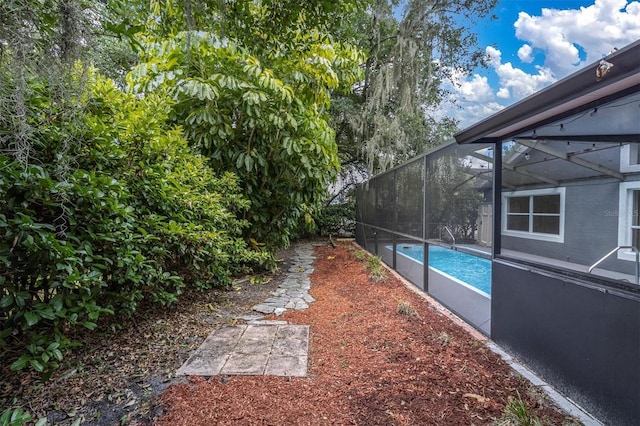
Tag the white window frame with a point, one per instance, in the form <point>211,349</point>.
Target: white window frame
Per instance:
<point>625,218</point>
<point>627,152</point>
<point>555,238</point>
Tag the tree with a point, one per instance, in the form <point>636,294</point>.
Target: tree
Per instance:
<point>254,100</point>
<point>455,192</point>
<point>102,201</point>
<point>389,119</point>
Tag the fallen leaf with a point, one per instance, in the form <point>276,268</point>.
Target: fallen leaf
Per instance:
<point>331,257</point>
<point>477,397</point>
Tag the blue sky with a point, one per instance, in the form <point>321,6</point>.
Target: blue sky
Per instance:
<point>536,43</point>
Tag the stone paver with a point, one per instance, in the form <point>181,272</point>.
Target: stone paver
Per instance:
<point>261,346</point>
<point>295,366</point>
<point>293,293</point>
<point>252,349</point>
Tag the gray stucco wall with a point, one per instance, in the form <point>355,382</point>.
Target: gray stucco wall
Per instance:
<point>591,228</point>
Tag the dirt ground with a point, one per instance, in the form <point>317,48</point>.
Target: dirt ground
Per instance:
<point>379,355</point>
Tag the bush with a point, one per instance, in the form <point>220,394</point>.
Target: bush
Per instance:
<point>337,219</point>
<point>112,208</point>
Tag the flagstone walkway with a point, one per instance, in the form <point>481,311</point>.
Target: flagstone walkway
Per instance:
<point>293,293</point>
<point>262,347</point>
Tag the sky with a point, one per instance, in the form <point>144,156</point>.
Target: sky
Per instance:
<point>533,44</point>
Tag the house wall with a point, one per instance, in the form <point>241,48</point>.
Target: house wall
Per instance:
<point>583,339</point>
<point>591,228</point>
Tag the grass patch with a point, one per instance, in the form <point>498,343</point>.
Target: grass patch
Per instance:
<point>444,339</point>
<point>377,272</point>
<point>360,255</point>
<point>516,413</point>
<point>406,309</point>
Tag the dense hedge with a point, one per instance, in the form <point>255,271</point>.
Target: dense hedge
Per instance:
<point>337,219</point>
<point>111,208</point>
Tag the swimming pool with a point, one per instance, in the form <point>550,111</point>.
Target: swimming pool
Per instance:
<point>472,270</point>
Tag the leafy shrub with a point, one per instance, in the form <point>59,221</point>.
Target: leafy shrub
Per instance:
<point>14,416</point>
<point>263,119</point>
<point>336,218</point>
<point>112,208</point>
<point>406,309</point>
<point>517,413</point>
<point>360,255</point>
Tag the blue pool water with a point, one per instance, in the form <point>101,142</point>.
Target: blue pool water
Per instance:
<point>472,270</point>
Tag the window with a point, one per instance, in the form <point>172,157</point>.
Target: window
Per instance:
<point>629,219</point>
<point>630,158</point>
<point>535,214</point>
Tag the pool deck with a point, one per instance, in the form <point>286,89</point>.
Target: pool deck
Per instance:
<point>528,257</point>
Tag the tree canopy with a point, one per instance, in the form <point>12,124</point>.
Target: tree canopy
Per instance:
<point>411,51</point>
<point>255,108</point>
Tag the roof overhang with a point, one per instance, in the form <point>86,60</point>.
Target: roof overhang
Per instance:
<point>578,92</point>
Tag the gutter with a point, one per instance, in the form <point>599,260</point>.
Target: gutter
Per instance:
<point>577,92</point>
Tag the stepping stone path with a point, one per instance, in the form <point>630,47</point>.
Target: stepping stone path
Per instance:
<point>293,293</point>
<point>262,347</point>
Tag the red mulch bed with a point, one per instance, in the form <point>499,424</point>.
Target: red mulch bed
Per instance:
<point>370,364</point>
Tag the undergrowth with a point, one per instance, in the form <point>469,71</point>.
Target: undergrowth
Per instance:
<point>406,309</point>
<point>517,413</point>
<point>376,270</point>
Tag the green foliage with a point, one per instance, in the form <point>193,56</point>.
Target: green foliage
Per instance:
<point>113,208</point>
<point>267,125</point>
<point>406,309</point>
<point>377,271</point>
<point>104,203</point>
<point>454,201</point>
<point>110,198</point>
<point>395,114</point>
<point>335,218</point>
<point>517,413</point>
<point>14,417</point>
<point>360,255</point>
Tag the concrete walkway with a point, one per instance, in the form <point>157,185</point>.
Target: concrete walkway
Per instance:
<point>262,347</point>
<point>269,349</point>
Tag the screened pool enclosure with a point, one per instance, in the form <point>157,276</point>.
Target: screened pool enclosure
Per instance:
<point>527,226</point>
<point>439,204</point>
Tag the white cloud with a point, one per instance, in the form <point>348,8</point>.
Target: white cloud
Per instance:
<point>471,99</point>
<point>475,89</point>
<point>595,29</point>
<point>569,39</point>
<point>472,113</point>
<point>494,56</point>
<point>525,53</point>
<point>503,93</point>
<point>467,113</point>
<point>515,83</point>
